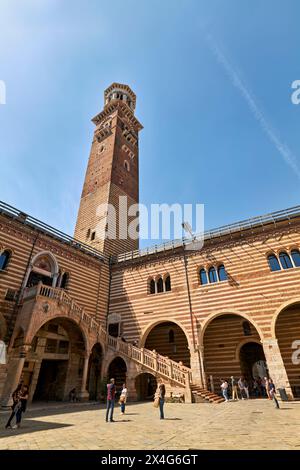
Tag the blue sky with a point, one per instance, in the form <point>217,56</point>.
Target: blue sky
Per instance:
<point>213,83</point>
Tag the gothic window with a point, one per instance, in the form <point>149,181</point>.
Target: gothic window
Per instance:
<point>4,259</point>
<point>93,235</point>
<point>274,263</point>
<point>160,285</point>
<point>64,281</point>
<point>246,328</point>
<point>203,276</point>
<point>152,286</point>
<point>296,257</point>
<point>285,260</point>
<point>212,274</point>
<point>168,283</point>
<point>222,273</point>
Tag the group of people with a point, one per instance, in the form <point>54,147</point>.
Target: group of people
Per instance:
<point>111,395</point>
<point>20,397</point>
<point>261,387</point>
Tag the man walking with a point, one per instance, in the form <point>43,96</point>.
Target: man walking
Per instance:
<point>111,391</point>
<point>272,393</point>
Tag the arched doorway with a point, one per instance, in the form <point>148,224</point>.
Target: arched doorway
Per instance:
<point>54,366</point>
<point>145,385</point>
<point>287,330</point>
<point>94,372</point>
<point>253,361</point>
<point>168,339</point>
<point>221,340</point>
<point>44,268</point>
<point>117,370</point>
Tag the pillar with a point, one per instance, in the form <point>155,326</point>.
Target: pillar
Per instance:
<point>276,366</point>
<point>84,394</point>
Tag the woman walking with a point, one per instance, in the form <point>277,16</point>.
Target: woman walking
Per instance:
<point>123,399</point>
<point>15,405</point>
<point>21,405</point>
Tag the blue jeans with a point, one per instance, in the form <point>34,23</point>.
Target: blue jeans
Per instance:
<point>161,407</point>
<point>225,394</point>
<point>123,407</point>
<point>110,406</point>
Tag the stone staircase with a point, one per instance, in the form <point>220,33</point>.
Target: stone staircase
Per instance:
<point>200,394</point>
<point>162,367</point>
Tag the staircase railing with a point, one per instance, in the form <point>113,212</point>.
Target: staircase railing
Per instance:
<point>151,360</point>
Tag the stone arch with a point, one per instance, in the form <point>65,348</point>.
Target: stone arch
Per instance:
<point>283,306</point>
<point>212,316</point>
<point>156,337</point>
<point>118,369</point>
<point>151,325</point>
<point>145,385</point>
<point>222,339</point>
<point>54,268</point>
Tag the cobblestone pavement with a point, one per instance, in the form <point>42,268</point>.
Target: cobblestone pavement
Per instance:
<point>253,424</point>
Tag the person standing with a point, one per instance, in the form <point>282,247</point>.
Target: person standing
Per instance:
<point>243,386</point>
<point>224,388</point>
<point>123,398</point>
<point>234,388</point>
<point>267,385</point>
<point>15,405</point>
<point>161,395</point>
<point>272,393</point>
<point>111,392</point>
<point>22,404</point>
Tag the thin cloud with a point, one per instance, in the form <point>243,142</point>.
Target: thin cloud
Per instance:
<point>288,156</point>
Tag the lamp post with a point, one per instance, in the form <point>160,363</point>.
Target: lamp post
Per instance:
<point>187,228</point>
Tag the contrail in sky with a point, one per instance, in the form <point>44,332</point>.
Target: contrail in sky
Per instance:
<point>282,148</point>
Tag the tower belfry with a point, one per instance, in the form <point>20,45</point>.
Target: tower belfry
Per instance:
<point>112,175</point>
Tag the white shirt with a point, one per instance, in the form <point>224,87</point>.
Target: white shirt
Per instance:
<point>2,352</point>
<point>124,392</point>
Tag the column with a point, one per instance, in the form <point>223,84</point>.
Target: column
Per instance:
<point>276,366</point>
<point>84,394</point>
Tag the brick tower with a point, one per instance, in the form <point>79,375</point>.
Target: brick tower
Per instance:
<point>112,173</point>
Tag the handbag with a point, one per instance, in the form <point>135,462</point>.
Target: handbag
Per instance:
<point>156,402</point>
<point>122,399</point>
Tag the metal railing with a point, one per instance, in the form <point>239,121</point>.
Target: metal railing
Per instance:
<point>247,224</point>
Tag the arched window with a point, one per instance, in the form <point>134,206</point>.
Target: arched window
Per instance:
<point>222,273</point>
<point>285,260</point>
<point>168,283</point>
<point>212,274</point>
<point>4,259</point>
<point>64,281</point>
<point>160,285</point>
<point>274,263</point>
<point>126,165</point>
<point>246,328</point>
<point>296,257</point>
<point>171,336</point>
<point>152,286</point>
<point>203,276</point>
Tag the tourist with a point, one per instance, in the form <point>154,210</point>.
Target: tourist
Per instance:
<point>267,387</point>
<point>111,392</point>
<point>234,388</point>
<point>243,386</point>
<point>15,398</point>
<point>272,392</point>
<point>21,405</point>
<point>256,387</point>
<point>161,396</point>
<point>123,398</point>
<point>224,388</point>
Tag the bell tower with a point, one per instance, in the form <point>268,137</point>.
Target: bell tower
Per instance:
<point>111,183</point>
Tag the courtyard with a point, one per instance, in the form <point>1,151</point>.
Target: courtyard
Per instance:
<point>249,424</point>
